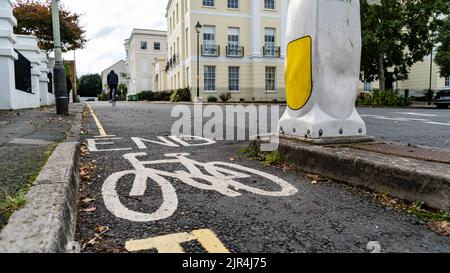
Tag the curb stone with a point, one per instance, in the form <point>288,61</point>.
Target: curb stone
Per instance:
<point>47,222</point>
<point>409,179</point>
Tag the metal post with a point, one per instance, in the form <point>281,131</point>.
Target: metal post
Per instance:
<point>198,65</point>
<point>61,96</point>
<point>430,95</point>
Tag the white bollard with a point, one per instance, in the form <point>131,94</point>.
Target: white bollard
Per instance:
<point>322,69</point>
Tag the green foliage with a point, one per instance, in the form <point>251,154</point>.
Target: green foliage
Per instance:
<point>395,35</point>
<point>251,151</point>
<point>145,95</point>
<point>160,96</point>
<point>103,97</point>
<point>386,98</point>
<point>443,52</point>
<point>272,158</point>
<point>212,99</point>
<point>225,97</point>
<point>181,95</point>
<point>14,202</point>
<point>268,159</point>
<point>90,85</point>
<point>123,89</point>
<point>35,18</point>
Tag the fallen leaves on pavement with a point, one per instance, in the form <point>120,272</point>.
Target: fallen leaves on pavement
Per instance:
<point>441,227</point>
<point>100,230</point>
<point>90,209</point>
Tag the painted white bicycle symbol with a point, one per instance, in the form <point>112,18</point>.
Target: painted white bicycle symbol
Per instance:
<point>222,177</point>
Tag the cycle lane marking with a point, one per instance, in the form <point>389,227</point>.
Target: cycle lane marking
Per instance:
<point>172,243</point>
<point>99,125</point>
<point>223,178</point>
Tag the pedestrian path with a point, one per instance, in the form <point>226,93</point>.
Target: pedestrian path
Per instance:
<point>27,138</point>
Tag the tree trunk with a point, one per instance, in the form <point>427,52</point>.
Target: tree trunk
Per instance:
<point>381,73</point>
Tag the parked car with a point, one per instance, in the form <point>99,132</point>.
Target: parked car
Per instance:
<point>442,99</point>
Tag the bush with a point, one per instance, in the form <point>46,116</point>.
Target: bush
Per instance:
<point>181,95</point>
<point>212,99</point>
<point>103,97</point>
<point>160,96</point>
<point>225,97</point>
<point>145,95</point>
<point>242,100</point>
<point>377,98</point>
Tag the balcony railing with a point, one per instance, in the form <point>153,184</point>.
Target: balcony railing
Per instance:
<point>172,62</point>
<point>210,50</point>
<point>235,51</point>
<point>272,51</point>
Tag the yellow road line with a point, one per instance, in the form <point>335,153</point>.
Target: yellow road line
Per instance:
<point>209,241</point>
<point>164,244</point>
<point>101,130</point>
<point>172,243</point>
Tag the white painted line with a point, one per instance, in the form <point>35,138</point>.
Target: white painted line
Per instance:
<point>438,123</point>
<point>414,114</point>
<point>101,130</point>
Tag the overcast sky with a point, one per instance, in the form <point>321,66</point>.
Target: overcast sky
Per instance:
<point>108,23</point>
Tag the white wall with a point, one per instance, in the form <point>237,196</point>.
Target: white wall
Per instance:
<point>10,97</point>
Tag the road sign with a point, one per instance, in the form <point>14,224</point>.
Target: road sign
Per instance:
<point>322,69</point>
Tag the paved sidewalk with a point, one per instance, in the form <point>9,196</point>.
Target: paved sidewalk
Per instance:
<point>27,139</point>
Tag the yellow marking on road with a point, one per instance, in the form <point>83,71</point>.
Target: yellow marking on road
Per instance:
<point>172,243</point>
<point>163,244</point>
<point>209,241</point>
<point>101,130</point>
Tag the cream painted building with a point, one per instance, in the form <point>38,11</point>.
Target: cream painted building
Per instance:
<point>142,48</point>
<point>242,47</point>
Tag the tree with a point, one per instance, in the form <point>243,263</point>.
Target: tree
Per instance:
<point>443,52</point>
<point>396,34</point>
<point>35,18</point>
<point>90,85</point>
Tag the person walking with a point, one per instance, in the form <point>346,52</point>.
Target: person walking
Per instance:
<point>113,82</point>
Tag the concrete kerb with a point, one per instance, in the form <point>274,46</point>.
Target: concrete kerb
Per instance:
<point>47,223</point>
<point>405,178</point>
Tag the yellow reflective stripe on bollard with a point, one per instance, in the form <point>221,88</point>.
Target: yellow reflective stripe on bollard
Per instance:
<point>299,73</point>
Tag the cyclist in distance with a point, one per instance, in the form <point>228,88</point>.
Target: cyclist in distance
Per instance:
<point>113,82</point>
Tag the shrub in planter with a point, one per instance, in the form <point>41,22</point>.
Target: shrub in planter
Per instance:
<point>225,97</point>
<point>103,97</point>
<point>145,95</point>
<point>212,99</point>
<point>181,95</point>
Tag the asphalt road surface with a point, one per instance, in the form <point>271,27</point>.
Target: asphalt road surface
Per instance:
<point>153,193</point>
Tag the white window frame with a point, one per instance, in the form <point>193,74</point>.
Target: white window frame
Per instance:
<point>270,4</point>
<point>144,45</point>
<point>274,79</point>
<point>234,78</point>
<point>209,81</point>
<point>208,3</point>
<point>233,4</point>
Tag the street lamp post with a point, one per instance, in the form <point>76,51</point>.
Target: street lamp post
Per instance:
<point>61,96</point>
<point>198,28</point>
